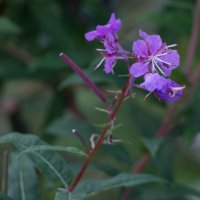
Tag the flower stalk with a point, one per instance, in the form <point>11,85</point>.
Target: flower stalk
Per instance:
<point>100,139</point>
<point>86,79</point>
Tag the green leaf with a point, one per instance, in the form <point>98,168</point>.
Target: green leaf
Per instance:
<point>65,124</point>
<point>90,187</point>
<point>4,197</point>
<point>43,15</point>
<point>22,179</point>
<point>96,77</point>
<point>73,150</point>
<point>152,145</point>
<point>7,26</point>
<point>119,152</point>
<point>49,163</point>
<point>12,68</point>
<point>62,196</point>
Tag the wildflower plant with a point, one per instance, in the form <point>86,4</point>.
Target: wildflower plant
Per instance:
<point>151,59</point>
<point>149,64</point>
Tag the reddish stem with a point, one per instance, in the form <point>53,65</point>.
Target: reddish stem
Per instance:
<point>193,39</point>
<point>141,163</point>
<point>100,139</point>
<point>87,80</point>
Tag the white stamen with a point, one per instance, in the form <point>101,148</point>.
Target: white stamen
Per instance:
<point>147,95</point>
<point>162,54</point>
<point>175,90</point>
<point>158,67</point>
<point>170,46</point>
<point>158,59</point>
<point>153,66</point>
<point>103,50</point>
<point>99,64</point>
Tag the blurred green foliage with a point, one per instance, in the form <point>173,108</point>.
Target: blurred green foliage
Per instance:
<point>39,94</point>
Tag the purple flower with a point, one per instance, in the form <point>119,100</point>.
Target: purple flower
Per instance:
<point>153,56</point>
<point>107,34</point>
<point>165,89</point>
<point>102,31</point>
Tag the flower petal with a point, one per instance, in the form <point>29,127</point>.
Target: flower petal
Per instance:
<point>172,57</point>
<point>142,34</point>
<point>154,43</point>
<point>167,94</point>
<point>114,23</point>
<point>140,48</point>
<point>110,44</point>
<point>91,35</point>
<point>139,69</point>
<point>153,82</point>
<point>109,64</point>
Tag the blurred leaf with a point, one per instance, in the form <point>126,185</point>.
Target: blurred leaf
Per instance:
<point>90,187</point>
<point>49,61</point>
<point>152,144</point>
<point>50,163</point>
<point>72,150</point>
<point>62,196</point>
<point>4,197</point>
<point>111,171</point>
<point>22,179</point>
<point>50,22</point>
<point>148,117</point>
<point>12,68</point>
<point>119,152</point>
<point>65,124</point>
<point>96,77</point>
<point>7,26</point>
<point>192,125</point>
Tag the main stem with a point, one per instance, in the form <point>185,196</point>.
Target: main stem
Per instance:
<point>100,139</point>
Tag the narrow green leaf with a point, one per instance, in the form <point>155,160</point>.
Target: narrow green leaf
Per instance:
<point>73,150</point>
<point>121,180</point>
<point>8,26</point>
<point>22,179</point>
<point>90,187</point>
<point>50,163</point>
<point>62,196</point>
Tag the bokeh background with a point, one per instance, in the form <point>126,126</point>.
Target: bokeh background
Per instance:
<point>40,94</point>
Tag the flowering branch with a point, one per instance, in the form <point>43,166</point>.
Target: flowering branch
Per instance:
<point>154,61</point>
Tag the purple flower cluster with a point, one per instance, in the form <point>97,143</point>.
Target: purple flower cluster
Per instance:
<point>154,60</point>
<point>107,34</point>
